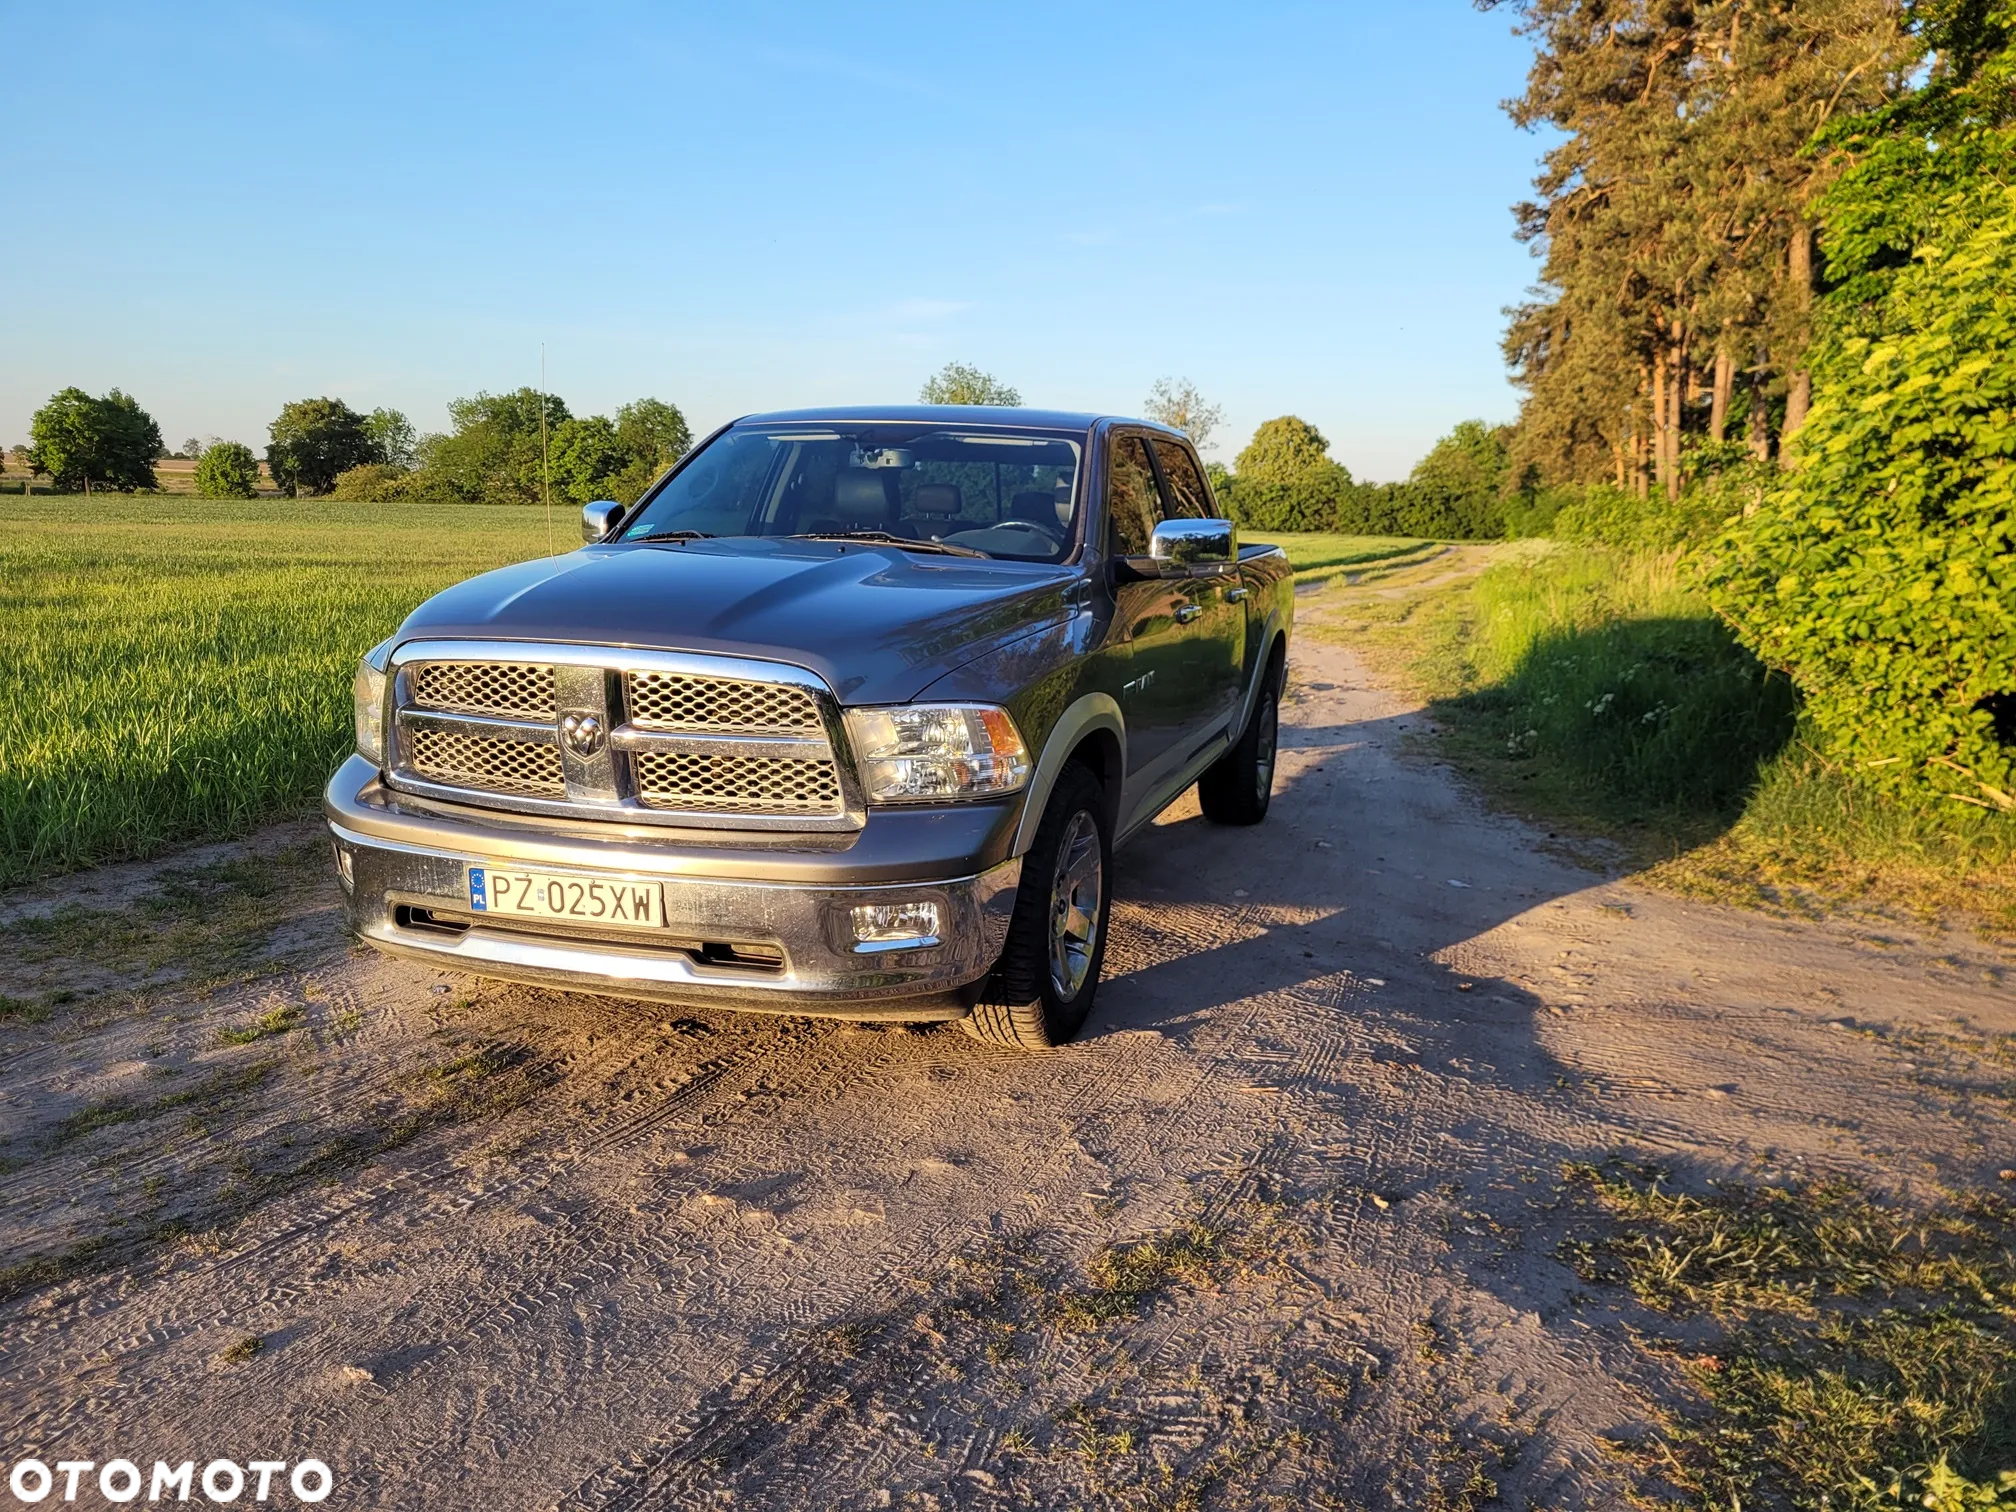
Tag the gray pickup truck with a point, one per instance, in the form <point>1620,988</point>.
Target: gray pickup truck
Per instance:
<point>845,716</point>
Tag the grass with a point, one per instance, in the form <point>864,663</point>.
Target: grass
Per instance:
<point>1858,1354</point>
<point>1321,558</point>
<point>1123,1278</point>
<point>277,1020</point>
<point>1592,690</point>
<point>179,669</point>
<point>1607,671</point>
<point>241,1350</point>
<point>210,1093</point>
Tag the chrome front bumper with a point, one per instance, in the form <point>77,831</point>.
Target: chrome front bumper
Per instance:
<point>749,944</point>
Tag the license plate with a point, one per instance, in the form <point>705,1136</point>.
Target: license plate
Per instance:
<point>549,895</point>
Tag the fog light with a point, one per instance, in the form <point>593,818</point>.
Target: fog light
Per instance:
<point>345,867</point>
<point>889,925</point>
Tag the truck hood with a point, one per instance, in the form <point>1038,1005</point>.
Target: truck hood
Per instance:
<point>878,623</point>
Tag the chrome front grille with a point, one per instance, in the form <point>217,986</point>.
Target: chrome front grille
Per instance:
<point>658,738</point>
<point>509,690</point>
<point>477,761</point>
<point>735,784</point>
<point>676,701</point>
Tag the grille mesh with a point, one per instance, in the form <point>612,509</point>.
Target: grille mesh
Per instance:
<point>736,784</point>
<point>715,781</point>
<point>508,690</point>
<point>676,701</point>
<point>475,761</point>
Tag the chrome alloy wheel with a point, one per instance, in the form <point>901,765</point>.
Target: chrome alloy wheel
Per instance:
<point>1075,893</point>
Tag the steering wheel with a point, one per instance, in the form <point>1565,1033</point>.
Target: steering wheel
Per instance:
<point>1032,527</point>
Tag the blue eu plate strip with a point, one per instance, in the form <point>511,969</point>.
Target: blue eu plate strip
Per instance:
<point>478,898</point>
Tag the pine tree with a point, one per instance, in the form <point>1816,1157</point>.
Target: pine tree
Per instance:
<point>1674,218</point>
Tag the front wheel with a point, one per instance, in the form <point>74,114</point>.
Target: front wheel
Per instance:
<point>1240,784</point>
<point>1043,986</point>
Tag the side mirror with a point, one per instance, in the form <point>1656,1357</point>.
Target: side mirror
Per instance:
<point>599,518</point>
<point>1193,548</point>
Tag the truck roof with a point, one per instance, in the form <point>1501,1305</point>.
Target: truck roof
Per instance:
<point>946,414</point>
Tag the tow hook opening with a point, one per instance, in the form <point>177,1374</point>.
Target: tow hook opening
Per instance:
<point>753,957</point>
<point>407,916</point>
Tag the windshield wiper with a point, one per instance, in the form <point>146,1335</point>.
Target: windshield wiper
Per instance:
<point>889,538</point>
<point>676,535</point>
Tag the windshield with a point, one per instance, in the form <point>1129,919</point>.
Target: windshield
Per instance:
<point>1001,493</point>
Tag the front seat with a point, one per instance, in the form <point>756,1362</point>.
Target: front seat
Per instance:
<point>860,502</point>
<point>937,506</point>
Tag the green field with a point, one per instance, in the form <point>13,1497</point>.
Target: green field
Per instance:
<point>179,670</point>
<point>1319,558</point>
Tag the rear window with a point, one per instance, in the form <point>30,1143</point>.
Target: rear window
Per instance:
<point>1189,499</point>
<point>1133,504</point>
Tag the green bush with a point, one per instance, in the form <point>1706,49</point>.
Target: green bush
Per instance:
<point>1307,503</point>
<point>1532,512</point>
<point>1882,575</point>
<point>1371,509</point>
<point>1419,509</point>
<point>1287,483</point>
<point>227,470</point>
<point>1456,492</point>
<point>1599,514</point>
<point>381,483</point>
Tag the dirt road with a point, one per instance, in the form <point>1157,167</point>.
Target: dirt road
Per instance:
<point>483,1247</point>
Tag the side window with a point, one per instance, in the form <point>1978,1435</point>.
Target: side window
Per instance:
<point>1133,505</point>
<point>1189,499</point>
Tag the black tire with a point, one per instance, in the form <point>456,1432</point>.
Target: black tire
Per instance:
<point>1030,1001</point>
<point>1239,785</point>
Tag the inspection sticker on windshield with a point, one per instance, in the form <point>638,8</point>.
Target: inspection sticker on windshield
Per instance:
<point>545,895</point>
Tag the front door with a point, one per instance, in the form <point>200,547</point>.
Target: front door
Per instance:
<point>1149,617</point>
<point>1214,658</point>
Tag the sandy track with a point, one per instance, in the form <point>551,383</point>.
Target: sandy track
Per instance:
<point>626,1258</point>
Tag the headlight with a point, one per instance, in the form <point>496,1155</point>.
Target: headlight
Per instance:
<point>922,753</point>
<point>367,693</point>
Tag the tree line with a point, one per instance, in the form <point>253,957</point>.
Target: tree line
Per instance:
<point>1675,221</point>
<point>1775,326</point>
<point>1775,329</point>
<point>1284,479</point>
<point>524,446</point>
<point>518,447</point>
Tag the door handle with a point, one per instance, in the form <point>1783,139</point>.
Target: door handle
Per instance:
<point>1237,595</point>
<point>1187,613</point>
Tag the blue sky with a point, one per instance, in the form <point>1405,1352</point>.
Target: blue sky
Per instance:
<point>753,206</point>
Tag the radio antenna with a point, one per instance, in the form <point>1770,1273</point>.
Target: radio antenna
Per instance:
<point>545,466</point>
